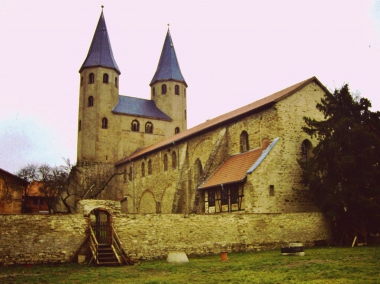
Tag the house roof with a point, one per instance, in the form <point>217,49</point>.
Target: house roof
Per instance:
<point>139,107</point>
<point>168,66</point>
<point>245,110</point>
<point>4,174</point>
<point>236,168</point>
<point>100,52</point>
<point>34,189</point>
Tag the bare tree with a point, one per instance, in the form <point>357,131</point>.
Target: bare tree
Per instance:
<point>63,186</point>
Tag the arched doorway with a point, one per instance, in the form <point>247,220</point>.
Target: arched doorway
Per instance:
<point>101,224</point>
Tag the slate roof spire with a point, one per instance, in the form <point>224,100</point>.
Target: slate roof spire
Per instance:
<point>168,66</point>
<point>100,52</point>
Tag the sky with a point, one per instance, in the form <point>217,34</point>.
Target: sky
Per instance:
<point>231,53</point>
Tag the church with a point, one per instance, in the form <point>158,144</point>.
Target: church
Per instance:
<point>244,161</point>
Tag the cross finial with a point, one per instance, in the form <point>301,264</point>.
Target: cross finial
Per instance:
<point>168,26</point>
<point>102,6</point>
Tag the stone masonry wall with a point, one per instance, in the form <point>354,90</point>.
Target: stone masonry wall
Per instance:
<point>40,238</point>
<point>153,235</point>
<point>32,239</point>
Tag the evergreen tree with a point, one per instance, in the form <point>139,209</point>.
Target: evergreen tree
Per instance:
<point>343,173</point>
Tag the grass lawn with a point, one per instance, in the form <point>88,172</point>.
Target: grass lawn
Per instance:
<point>319,265</point>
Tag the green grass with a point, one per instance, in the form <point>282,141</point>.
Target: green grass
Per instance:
<point>319,265</point>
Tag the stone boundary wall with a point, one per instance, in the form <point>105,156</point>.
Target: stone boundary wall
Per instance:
<point>153,236</point>
<point>31,239</point>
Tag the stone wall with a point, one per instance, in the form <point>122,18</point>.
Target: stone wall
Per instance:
<point>41,238</point>
<point>58,238</point>
<point>153,235</point>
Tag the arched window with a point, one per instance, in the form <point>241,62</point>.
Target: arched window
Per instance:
<point>80,125</point>
<point>165,162</point>
<point>184,92</point>
<point>130,173</point>
<point>176,130</point>
<point>81,81</point>
<point>105,78</point>
<point>244,146</point>
<point>198,170</point>
<point>185,115</point>
<point>90,101</point>
<point>104,123</point>
<point>174,160</point>
<point>306,150</point>
<point>163,89</point>
<point>135,126</point>
<point>176,89</point>
<point>153,91</point>
<point>91,78</point>
<point>150,170</point>
<point>148,127</point>
<point>116,83</point>
<point>143,169</point>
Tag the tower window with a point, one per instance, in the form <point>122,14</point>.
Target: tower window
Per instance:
<point>104,123</point>
<point>116,83</point>
<point>148,127</point>
<point>81,81</point>
<point>153,91</point>
<point>244,147</point>
<point>185,115</point>
<point>184,92</point>
<point>91,78</point>
<point>165,162</point>
<point>80,125</point>
<point>150,167</point>
<point>176,130</point>
<point>163,89</point>
<point>176,89</point>
<point>135,126</point>
<point>90,101</point>
<point>174,160</point>
<point>105,78</point>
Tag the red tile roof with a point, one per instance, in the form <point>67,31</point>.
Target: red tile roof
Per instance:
<point>234,169</point>
<point>223,118</point>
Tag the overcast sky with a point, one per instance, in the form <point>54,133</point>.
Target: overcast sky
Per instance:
<point>231,53</point>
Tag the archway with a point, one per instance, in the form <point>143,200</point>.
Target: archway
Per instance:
<point>101,224</point>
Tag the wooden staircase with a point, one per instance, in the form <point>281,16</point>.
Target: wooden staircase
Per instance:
<point>104,254</point>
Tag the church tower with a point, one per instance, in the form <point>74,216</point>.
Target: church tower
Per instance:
<point>168,87</point>
<point>99,93</point>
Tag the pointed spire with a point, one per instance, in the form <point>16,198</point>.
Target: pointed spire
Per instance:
<point>100,52</point>
<point>168,67</point>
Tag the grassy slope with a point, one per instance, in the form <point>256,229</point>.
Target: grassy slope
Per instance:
<point>319,265</point>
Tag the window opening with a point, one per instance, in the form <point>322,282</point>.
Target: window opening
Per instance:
<point>165,162</point>
<point>176,130</point>
<point>148,127</point>
<point>135,126</point>
<point>143,169</point>
<point>163,89</point>
<point>104,123</point>
<point>91,78</point>
<point>176,89</point>
<point>90,101</point>
<point>174,160</point>
<point>150,167</point>
<point>116,82</point>
<point>105,78</point>
<point>244,147</point>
